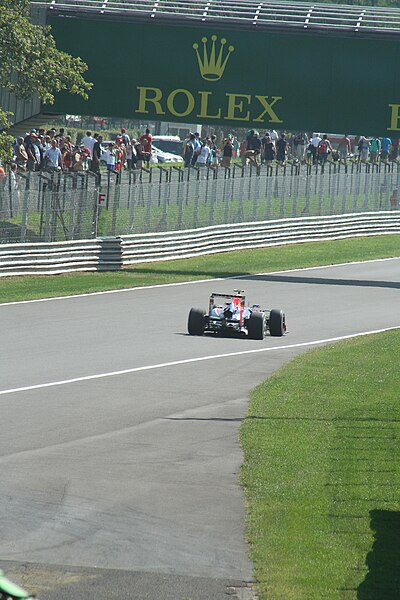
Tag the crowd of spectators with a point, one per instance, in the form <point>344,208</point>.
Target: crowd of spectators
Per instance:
<point>53,150</point>
<point>277,148</point>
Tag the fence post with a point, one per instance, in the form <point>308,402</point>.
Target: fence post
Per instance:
<point>24,218</point>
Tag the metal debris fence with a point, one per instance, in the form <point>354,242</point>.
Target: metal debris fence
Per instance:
<point>44,207</point>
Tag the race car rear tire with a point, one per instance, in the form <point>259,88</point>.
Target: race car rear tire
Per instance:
<point>255,326</point>
<point>276,322</point>
<point>196,321</point>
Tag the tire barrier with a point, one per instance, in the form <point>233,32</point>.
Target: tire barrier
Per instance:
<point>114,253</point>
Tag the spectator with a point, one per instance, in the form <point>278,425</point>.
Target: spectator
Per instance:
<point>214,156</point>
<point>76,156</point>
<point>46,143</point>
<point>269,151</point>
<point>344,147</point>
<point>67,154</point>
<point>120,154</point>
<point>21,156</point>
<point>249,138</point>
<point>256,147</point>
<point>129,155</point>
<point>227,152</point>
<point>67,158</point>
<point>197,145</point>
<point>67,142</point>
<point>204,155</point>
<point>82,161</point>
<point>134,153</point>
<point>263,141</point>
<point>125,137</point>
<point>39,143</point>
<point>281,150</point>
<point>121,148</point>
<point>324,147</point>
<point>363,149</point>
<point>110,157</point>
<point>28,136</point>
<point>253,147</point>
<point>96,155</point>
<point>236,146</point>
<point>315,140</point>
<point>375,148</point>
<point>140,157</point>
<point>33,152</point>
<point>243,152</point>
<point>274,136</point>
<point>188,150</point>
<point>300,141</point>
<point>146,141</point>
<point>52,157</point>
<point>88,141</point>
<point>385,148</point>
<point>395,149</point>
<point>310,153</point>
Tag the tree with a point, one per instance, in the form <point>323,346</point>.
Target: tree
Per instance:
<point>30,61</point>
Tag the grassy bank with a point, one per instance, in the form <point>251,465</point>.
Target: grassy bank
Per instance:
<point>220,265</point>
<point>322,474</point>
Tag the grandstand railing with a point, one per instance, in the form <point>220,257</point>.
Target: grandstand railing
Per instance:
<point>260,14</point>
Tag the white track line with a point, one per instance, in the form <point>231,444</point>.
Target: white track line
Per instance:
<point>190,360</point>
<point>178,283</point>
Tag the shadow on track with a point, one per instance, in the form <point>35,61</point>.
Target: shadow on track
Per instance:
<point>325,281</point>
<point>268,277</point>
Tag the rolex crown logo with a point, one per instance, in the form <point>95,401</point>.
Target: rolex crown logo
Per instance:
<point>213,62</point>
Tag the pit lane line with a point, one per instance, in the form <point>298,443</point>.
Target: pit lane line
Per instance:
<point>178,283</point>
<point>192,360</point>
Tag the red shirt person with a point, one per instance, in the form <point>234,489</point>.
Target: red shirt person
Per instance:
<point>146,141</point>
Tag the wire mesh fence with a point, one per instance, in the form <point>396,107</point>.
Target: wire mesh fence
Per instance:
<point>59,206</point>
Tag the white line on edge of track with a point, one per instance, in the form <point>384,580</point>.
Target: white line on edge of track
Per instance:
<point>191,360</point>
<point>177,283</point>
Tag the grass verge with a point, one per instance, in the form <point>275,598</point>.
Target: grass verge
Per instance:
<point>229,264</point>
<point>322,474</point>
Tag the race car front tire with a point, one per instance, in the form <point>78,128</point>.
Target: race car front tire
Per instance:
<point>276,322</point>
<point>255,326</point>
<point>196,321</point>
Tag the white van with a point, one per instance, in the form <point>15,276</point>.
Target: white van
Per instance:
<point>168,143</point>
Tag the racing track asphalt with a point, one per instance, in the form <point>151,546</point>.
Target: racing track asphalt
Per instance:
<point>126,485</point>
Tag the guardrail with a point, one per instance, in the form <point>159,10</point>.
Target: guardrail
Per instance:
<point>209,240</point>
<point>60,257</point>
<point>110,254</point>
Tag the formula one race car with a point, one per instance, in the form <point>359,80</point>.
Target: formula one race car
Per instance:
<point>229,315</point>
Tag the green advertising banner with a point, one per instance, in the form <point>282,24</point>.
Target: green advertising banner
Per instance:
<point>234,78</point>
